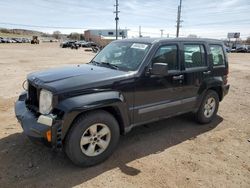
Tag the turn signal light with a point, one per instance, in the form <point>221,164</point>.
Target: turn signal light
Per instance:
<point>48,135</point>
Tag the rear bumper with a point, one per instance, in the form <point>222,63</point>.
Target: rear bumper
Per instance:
<point>225,90</point>
<point>34,130</point>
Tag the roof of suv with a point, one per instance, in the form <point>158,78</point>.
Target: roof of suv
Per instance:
<point>155,40</point>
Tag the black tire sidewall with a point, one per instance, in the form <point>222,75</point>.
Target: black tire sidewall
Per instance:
<point>73,149</point>
<point>201,118</point>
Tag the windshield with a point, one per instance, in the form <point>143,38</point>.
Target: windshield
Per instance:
<point>126,56</point>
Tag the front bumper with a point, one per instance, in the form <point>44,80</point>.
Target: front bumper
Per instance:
<point>34,130</point>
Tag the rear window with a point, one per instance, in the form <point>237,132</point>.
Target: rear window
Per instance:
<point>217,53</point>
<point>194,55</point>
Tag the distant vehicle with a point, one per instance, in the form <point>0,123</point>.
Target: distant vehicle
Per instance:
<point>96,49</point>
<point>241,49</point>
<point>35,40</point>
<point>18,40</point>
<point>227,49</point>
<point>4,40</point>
<point>82,43</point>
<point>248,48</point>
<point>9,40</point>
<point>75,46</point>
<point>67,44</point>
<point>91,44</point>
<point>25,40</point>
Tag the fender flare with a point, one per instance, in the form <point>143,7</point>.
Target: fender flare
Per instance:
<point>74,106</point>
<point>206,85</point>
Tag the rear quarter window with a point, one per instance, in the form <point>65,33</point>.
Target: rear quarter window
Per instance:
<point>217,55</point>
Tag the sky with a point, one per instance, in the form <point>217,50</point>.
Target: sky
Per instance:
<point>212,19</point>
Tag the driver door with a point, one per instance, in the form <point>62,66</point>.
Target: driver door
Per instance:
<point>159,96</point>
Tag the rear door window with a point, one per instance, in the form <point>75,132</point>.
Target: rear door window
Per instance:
<point>194,56</point>
<point>217,53</point>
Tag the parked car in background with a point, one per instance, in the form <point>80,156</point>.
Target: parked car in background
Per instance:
<point>17,40</point>
<point>4,40</point>
<point>67,44</point>
<point>83,109</point>
<point>91,44</point>
<point>11,40</point>
<point>241,49</point>
<point>248,48</point>
<point>228,50</point>
<point>81,43</point>
<point>14,40</point>
<point>25,40</point>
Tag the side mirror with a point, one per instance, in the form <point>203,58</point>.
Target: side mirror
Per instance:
<point>160,69</point>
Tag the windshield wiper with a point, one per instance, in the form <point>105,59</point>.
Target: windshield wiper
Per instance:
<point>110,65</point>
<point>105,64</point>
<point>95,62</point>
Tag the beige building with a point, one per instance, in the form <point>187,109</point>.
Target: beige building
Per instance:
<point>104,36</point>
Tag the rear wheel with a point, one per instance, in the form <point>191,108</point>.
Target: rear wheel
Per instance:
<point>92,139</point>
<point>208,108</point>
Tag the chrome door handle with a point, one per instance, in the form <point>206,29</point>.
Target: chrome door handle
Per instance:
<point>207,72</point>
<point>180,77</point>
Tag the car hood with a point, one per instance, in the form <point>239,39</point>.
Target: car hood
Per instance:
<point>75,77</point>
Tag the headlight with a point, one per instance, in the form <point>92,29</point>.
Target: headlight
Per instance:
<point>45,102</point>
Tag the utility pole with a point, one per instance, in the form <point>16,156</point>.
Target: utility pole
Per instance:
<point>140,32</point>
<point>116,19</point>
<point>161,32</point>
<point>178,19</point>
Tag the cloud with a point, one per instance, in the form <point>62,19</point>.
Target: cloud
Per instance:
<point>201,17</point>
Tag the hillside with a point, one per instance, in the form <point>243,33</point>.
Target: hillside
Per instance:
<point>19,33</point>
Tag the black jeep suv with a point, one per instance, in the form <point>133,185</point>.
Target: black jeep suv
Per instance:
<point>83,109</point>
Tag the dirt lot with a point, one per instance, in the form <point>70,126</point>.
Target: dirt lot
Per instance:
<point>172,153</point>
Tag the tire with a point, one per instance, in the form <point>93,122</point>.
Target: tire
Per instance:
<point>207,111</point>
<point>81,131</point>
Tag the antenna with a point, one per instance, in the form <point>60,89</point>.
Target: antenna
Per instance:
<point>116,19</point>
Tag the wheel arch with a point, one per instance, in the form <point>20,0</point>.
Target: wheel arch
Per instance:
<point>218,90</point>
<point>214,84</point>
<point>111,102</point>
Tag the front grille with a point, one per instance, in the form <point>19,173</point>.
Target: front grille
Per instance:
<point>33,99</point>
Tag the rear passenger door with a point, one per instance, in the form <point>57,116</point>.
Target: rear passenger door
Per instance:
<point>195,70</point>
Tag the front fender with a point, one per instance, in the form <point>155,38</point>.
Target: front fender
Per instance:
<point>74,106</point>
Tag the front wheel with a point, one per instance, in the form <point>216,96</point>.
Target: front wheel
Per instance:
<point>208,108</point>
<point>92,138</point>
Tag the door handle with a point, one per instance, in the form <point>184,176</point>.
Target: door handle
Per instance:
<point>180,77</point>
<point>207,72</point>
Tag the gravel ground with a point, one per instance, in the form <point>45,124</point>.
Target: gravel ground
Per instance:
<point>172,153</point>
